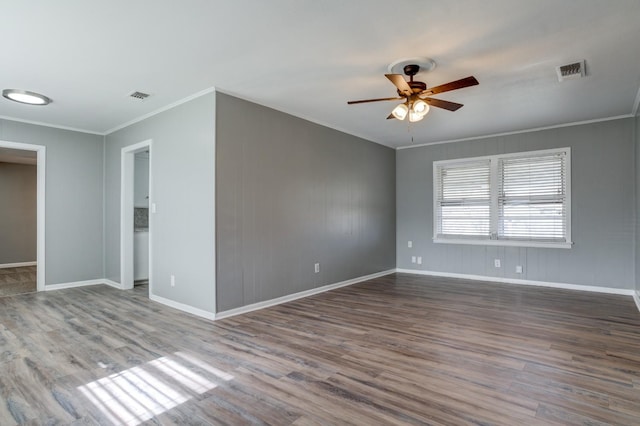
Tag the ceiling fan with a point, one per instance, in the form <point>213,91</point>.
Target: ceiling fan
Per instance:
<point>416,96</point>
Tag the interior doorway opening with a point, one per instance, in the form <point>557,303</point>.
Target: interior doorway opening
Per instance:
<point>136,217</point>
<point>22,255</point>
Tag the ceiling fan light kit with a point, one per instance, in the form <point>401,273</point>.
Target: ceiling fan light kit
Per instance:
<point>400,111</point>
<point>416,95</point>
<point>420,107</point>
<point>415,116</point>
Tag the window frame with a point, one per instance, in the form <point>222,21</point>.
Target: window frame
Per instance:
<point>494,185</point>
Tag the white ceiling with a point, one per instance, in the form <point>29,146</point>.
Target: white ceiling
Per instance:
<point>308,57</point>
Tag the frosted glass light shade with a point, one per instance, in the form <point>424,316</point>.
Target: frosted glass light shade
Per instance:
<point>400,111</point>
<point>420,107</point>
<point>25,97</point>
<point>414,116</point>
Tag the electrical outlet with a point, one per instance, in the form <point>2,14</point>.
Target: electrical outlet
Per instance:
<point>409,244</point>
<point>173,280</point>
<point>496,263</point>
<point>419,260</point>
<point>316,268</point>
<point>519,269</point>
<point>413,259</point>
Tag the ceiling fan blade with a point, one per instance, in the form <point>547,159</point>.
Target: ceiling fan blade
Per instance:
<point>374,100</point>
<point>454,85</point>
<point>398,80</point>
<point>439,103</point>
<point>390,116</point>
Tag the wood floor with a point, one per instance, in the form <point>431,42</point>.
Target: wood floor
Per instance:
<point>17,280</point>
<point>401,349</point>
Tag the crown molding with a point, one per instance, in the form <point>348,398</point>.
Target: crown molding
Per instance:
<point>517,132</point>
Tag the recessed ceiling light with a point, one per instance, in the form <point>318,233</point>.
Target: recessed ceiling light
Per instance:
<point>25,97</point>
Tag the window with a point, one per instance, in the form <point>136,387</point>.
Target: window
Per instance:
<point>518,199</point>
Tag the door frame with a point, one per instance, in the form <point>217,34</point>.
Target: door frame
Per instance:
<point>40,204</point>
<point>127,161</point>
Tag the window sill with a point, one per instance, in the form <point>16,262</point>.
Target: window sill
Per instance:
<point>506,243</point>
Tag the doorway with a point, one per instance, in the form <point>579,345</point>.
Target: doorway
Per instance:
<point>136,217</point>
<point>22,268</point>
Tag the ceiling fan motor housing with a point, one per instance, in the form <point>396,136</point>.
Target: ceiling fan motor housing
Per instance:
<point>416,86</point>
<point>411,69</point>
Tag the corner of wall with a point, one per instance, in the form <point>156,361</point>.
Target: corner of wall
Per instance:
<point>104,206</point>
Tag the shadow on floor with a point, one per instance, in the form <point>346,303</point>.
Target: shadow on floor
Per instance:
<point>18,280</point>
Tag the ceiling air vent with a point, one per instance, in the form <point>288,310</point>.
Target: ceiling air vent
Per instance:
<point>570,71</point>
<point>139,95</point>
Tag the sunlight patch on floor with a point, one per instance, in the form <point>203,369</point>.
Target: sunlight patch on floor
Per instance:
<point>138,394</point>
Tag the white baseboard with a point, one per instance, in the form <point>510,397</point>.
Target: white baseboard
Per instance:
<point>520,282</point>
<point>61,286</point>
<point>183,307</point>
<point>294,296</point>
<point>636,298</point>
<point>82,284</point>
<point>18,265</point>
<point>111,283</point>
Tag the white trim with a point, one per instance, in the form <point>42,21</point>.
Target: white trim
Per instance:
<point>494,184</point>
<point>18,265</point>
<point>564,286</point>
<point>73,284</point>
<point>55,126</point>
<point>636,298</point>
<point>126,211</point>
<point>294,296</point>
<point>41,155</point>
<point>113,284</point>
<point>535,153</point>
<point>183,307</point>
<point>158,111</point>
<point>41,205</point>
<point>504,243</point>
<point>86,283</point>
<point>213,260</point>
<point>151,217</point>
<point>517,132</point>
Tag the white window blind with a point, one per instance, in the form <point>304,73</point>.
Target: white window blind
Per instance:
<point>464,200</point>
<point>512,199</point>
<point>531,198</point>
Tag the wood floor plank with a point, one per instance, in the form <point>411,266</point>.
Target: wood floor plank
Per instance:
<point>400,349</point>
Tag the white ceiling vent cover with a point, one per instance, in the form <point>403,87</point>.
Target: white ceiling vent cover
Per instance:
<point>571,71</point>
<point>139,95</point>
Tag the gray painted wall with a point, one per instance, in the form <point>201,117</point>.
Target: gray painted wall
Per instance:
<point>291,193</point>
<point>17,213</point>
<point>141,181</point>
<point>182,163</point>
<point>74,204</point>
<point>602,163</point>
